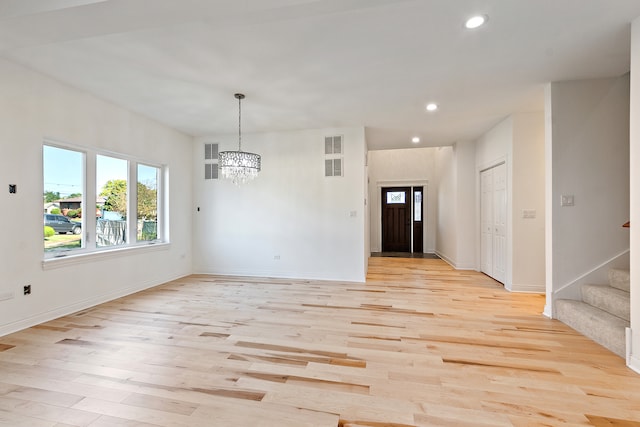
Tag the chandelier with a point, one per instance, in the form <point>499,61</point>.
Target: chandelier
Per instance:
<point>239,166</point>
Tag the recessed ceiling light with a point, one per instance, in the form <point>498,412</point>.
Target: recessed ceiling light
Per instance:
<point>432,107</point>
<point>476,21</point>
<point>415,139</point>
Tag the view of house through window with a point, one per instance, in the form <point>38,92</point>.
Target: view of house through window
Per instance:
<point>147,194</point>
<point>124,214</point>
<point>63,172</point>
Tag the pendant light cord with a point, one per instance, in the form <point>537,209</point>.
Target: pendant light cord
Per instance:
<point>239,121</point>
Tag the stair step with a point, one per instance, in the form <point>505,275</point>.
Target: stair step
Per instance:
<point>602,327</point>
<point>609,299</point>
<point>620,279</point>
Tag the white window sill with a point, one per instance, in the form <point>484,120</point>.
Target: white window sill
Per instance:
<point>72,258</point>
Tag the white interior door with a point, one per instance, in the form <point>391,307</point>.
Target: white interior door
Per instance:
<point>486,222</point>
<point>493,222</point>
<point>500,222</point>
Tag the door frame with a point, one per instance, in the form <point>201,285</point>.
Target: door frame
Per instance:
<point>378,206</point>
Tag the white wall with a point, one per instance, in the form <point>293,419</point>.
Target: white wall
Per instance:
<point>405,167</point>
<point>447,210</point>
<point>455,240</point>
<point>519,141</point>
<point>590,149</point>
<point>634,361</point>
<point>367,211</point>
<point>495,145</point>
<point>33,107</point>
<point>465,153</point>
<point>314,224</point>
<point>528,194</point>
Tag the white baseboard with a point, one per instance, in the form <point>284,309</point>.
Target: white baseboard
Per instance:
<point>634,364</point>
<point>452,263</point>
<point>465,267</point>
<point>308,275</point>
<point>528,289</point>
<point>446,259</point>
<point>78,306</point>
<point>548,312</point>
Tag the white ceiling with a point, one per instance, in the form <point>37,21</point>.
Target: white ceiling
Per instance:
<point>321,63</point>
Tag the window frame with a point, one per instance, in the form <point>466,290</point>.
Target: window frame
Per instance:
<point>53,259</point>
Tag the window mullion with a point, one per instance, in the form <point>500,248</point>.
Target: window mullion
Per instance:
<point>163,204</point>
<point>132,205</point>
<point>89,201</point>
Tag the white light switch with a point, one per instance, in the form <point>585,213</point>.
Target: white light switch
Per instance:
<point>566,200</point>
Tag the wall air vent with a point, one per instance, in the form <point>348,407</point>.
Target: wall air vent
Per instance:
<point>210,151</point>
<point>210,161</point>
<point>333,144</point>
<point>333,160</point>
<point>210,171</point>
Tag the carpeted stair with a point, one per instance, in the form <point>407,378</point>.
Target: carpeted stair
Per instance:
<point>604,312</point>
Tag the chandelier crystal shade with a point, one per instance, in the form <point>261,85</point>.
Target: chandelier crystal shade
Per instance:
<point>239,166</point>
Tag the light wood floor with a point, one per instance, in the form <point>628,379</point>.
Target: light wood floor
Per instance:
<point>418,345</point>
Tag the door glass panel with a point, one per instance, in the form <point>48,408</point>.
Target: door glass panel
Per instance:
<point>417,206</point>
<point>395,197</point>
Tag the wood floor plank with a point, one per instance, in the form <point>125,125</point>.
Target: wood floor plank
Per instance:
<point>47,412</point>
<point>418,344</point>
<point>13,419</point>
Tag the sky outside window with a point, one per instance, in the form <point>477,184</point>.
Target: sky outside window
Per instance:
<point>63,171</point>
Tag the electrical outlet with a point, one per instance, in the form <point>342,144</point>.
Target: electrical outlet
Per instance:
<point>27,289</point>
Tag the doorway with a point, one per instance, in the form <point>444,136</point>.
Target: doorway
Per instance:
<point>402,219</point>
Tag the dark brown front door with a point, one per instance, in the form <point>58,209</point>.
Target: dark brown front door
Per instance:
<point>396,219</point>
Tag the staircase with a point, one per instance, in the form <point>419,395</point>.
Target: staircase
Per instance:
<point>604,312</point>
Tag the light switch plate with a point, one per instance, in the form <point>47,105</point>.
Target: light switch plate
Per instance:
<point>566,200</point>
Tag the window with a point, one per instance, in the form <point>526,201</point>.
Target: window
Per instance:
<point>119,215</point>
<point>111,188</point>
<point>63,172</point>
<point>396,197</point>
<point>417,205</point>
<point>147,205</point>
